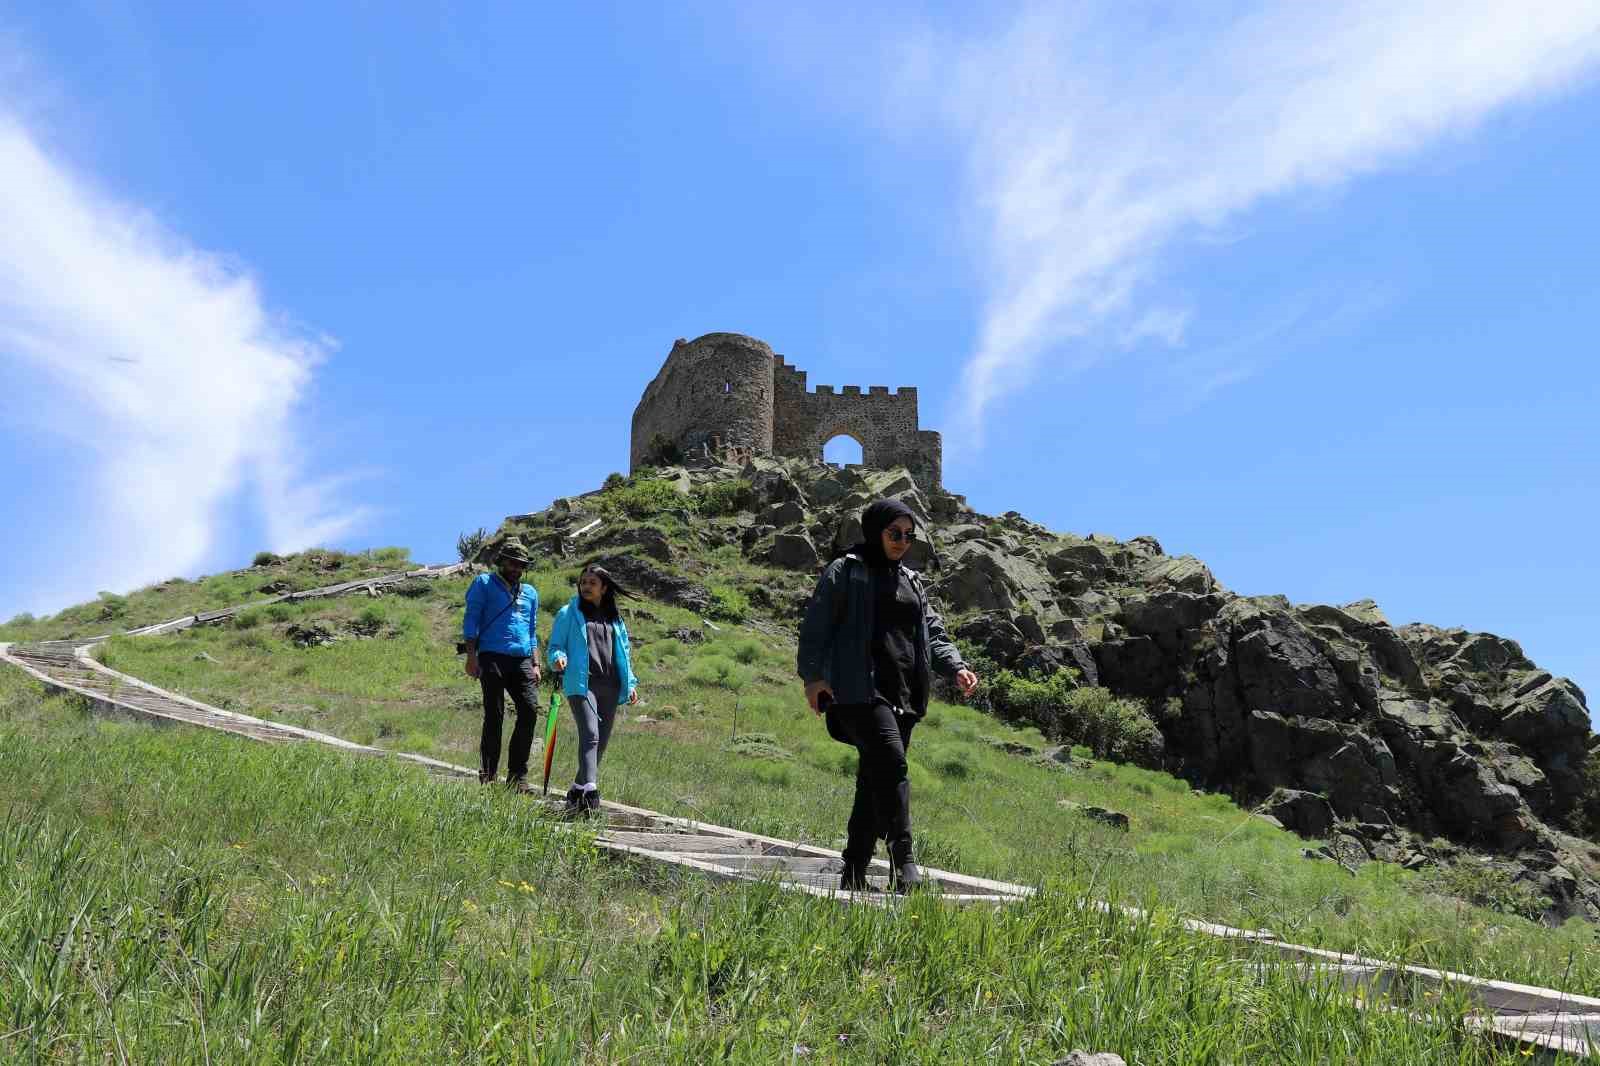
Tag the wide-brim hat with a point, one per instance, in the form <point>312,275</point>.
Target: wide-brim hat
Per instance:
<point>512,551</point>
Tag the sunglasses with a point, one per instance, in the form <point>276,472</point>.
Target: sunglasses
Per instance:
<point>896,535</point>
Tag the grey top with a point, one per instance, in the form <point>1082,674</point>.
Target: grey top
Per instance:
<point>602,656</point>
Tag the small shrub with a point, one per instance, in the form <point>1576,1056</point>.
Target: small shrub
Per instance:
<point>266,559</point>
<point>1489,886</point>
<point>644,499</point>
<point>717,671</point>
<point>729,603</point>
<point>247,619</point>
<point>661,451</point>
<point>774,772</point>
<point>391,556</point>
<point>724,497</point>
<point>468,545</point>
<point>22,619</point>
<point>950,763</point>
<point>112,606</point>
<point>747,651</point>
<point>418,743</point>
<point>614,480</point>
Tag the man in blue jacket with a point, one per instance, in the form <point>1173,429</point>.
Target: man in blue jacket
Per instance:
<point>502,648</point>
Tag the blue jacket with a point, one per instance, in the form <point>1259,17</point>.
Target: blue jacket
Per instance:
<point>499,622</point>
<point>569,636</point>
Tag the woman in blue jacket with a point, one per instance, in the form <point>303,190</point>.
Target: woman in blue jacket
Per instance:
<point>589,647</point>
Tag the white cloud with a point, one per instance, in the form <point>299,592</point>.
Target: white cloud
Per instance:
<point>161,361</point>
<point>1094,137</point>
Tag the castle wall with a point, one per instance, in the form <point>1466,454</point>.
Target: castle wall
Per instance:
<point>727,392</point>
<point>716,391</point>
<point>883,422</point>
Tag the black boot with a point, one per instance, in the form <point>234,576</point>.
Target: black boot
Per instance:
<point>591,800</point>
<point>854,878</point>
<point>905,877</point>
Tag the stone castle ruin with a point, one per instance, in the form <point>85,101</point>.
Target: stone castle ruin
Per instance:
<point>726,396</point>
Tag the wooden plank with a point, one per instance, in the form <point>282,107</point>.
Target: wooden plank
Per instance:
<point>696,842</point>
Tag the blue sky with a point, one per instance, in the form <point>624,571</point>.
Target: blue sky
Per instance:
<point>1277,285</point>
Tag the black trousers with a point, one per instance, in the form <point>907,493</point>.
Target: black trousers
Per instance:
<point>499,674</point>
<point>882,806</point>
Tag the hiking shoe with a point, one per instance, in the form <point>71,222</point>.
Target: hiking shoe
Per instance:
<point>591,800</point>
<point>486,777</point>
<point>519,785</point>
<point>854,878</point>
<point>906,878</point>
<point>572,804</point>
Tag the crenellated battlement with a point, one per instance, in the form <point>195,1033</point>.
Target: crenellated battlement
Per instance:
<point>725,393</point>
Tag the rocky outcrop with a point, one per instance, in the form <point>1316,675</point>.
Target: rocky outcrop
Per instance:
<point>1387,738</point>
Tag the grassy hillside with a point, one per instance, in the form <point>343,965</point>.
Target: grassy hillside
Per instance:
<point>175,896</point>
<point>985,801</point>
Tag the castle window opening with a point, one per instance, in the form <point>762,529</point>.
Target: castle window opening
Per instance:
<point>842,450</point>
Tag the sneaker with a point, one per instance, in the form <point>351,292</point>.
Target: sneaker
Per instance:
<point>854,878</point>
<point>486,777</point>
<point>572,804</point>
<point>517,783</point>
<point>591,800</point>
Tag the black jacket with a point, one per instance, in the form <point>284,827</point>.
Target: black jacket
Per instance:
<point>836,635</point>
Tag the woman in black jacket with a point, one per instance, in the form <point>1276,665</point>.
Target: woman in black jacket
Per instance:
<point>868,644</point>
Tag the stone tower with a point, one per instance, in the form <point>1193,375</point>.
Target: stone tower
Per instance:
<point>725,394</point>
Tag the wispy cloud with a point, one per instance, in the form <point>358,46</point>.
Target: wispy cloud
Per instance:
<point>161,362</point>
<point>1095,136</point>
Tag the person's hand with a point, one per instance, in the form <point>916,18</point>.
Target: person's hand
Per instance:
<point>472,666</point>
<point>537,676</point>
<point>633,698</point>
<point>814,691</point>
<point>966,681</point>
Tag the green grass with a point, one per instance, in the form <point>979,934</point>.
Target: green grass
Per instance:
<point>977,809</point>
<point>175,896</point>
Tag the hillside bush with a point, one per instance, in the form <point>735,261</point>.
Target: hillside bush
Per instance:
<point>661,451</point>
<point>729,604</point>
<point>724,497</point>
<point>718,671</point>
<point>614,480</point>
<point>1111,728</point>
<point>747,651</point>
<point>266,559</point>
<point>468,545</point>
<point>1487,885</point>
<point>112,606</point>
<point>643,499</point>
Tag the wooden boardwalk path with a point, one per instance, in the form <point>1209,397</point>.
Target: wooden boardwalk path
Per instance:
<point>1535,1017</point>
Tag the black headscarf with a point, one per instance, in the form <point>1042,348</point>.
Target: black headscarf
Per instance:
<point>874,520</point>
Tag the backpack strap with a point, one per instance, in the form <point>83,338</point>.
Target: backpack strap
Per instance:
<point>838,596</point>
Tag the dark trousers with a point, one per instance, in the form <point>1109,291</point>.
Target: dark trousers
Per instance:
<point>882,805</point>
<point>499,674</point>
